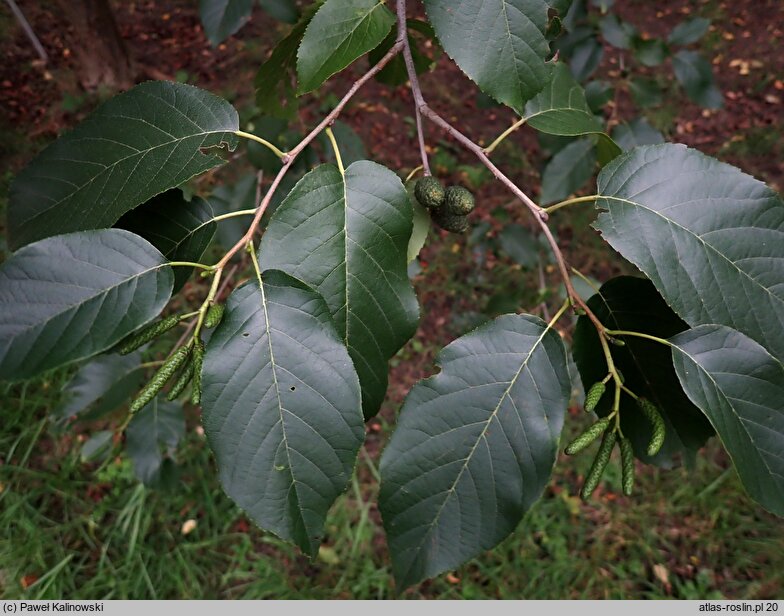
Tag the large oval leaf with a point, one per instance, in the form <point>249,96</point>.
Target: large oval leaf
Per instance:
<point>222,18</point>
<point>340,32</point>
<point>72,296</point>
<point>140,143</point>
<point>281,406</point>
<point>568,170</point>
<point>628,303</point>
<point>710,237</point>
<point>500,44</point>
<point>180,229</point>
<point>561,109</point>
<point>695,74</point>
<point>474,446</point>
<point>102,384</point>
<point>740,388</point>
<point>159,425</point>
<point>347,237</point>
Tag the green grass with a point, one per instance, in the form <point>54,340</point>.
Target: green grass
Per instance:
<point>69,532</point>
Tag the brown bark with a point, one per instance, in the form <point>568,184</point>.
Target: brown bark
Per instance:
<point>101,54</point>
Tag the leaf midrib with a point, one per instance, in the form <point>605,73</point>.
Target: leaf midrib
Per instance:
<point>468,458</point>
<point>273,365</point>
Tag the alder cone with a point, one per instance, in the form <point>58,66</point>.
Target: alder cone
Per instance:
<point>458,201</point>
<point>452,223</point>
<point>430,193</point>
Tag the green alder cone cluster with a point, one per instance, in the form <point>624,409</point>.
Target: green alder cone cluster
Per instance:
<point>449,207</point>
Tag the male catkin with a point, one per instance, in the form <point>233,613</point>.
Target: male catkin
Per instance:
<point>657,424</point>
<point>147,334</point>
<point>214,316</point>
<point>593,396</point>
<point>589,436</point>
<point>182,382</point>
<point>627,466</point>
<point>159,379</point>
<point>599,464</point>
<point>198,361</point>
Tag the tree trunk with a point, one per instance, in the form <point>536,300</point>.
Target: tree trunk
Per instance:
<point>100,52</point>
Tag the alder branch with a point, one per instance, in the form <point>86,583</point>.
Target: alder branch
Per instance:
<point>539,213</point>
<point>289,157</point>
<point>416,91</point>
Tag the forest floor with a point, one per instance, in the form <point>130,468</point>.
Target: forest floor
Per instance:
<point>70,530</point>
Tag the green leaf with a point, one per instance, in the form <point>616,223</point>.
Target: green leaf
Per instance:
<point>568,170</point>
<point>650,52</point>
<point>229,198</point>
<point>689,31</point>
<point>395,74</point>
<point>695,74</point>
<point>222,18</point>
<point>72,296</point>
<point>281,404</point>
<point>340,32</point>
<point>616,32</point>
<point>598,94</point>
<point>585,58</point>
<point>180,229</point>
<point>282,10</point>
<point>710,237</point>
<point>645,92</point>
<point>421,227</point>
<point>274,90</point>
<point>474,446</point>
<point>520,245</point>
<point>500,44</point>
<point>561,109</point>
<point>159,425</point>
<point>629,135</point>
<point>562,6</point>
<point>740,388</point>
<point>97,447</point>
<point>101,385</point>
<point>632,304</point>
<point>140,143</point>
<point>347,237</point>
